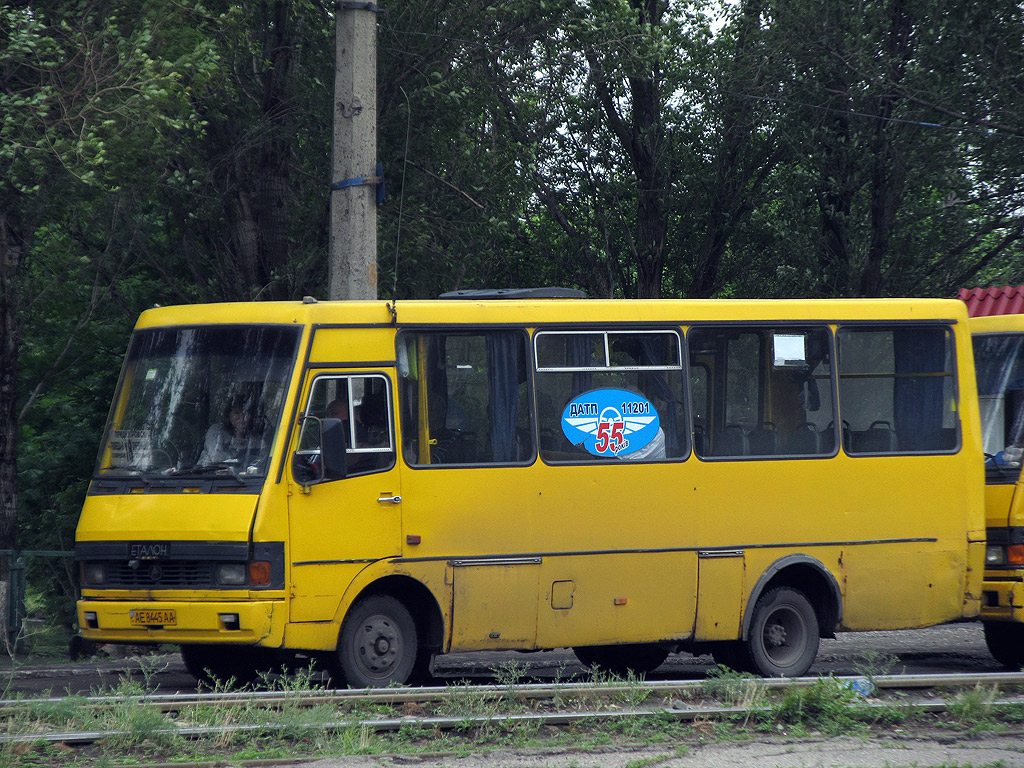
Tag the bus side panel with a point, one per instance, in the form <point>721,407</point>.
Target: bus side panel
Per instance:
<point>616,598</point>
<point>720,595</point>
<point>572,544</point>
<point>919,573</point>
<point>893,536</point>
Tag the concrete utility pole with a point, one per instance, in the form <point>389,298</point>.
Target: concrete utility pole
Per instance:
<point>352,264</point>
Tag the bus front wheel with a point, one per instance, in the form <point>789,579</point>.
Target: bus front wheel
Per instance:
<point>1005,641</point>
<point>377,645</point>
<point>783,634</point>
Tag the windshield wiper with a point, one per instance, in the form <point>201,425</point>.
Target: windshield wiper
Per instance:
<point>220,466</point>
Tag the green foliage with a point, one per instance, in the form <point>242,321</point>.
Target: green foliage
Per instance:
<point>155,153</point>
<point>827,705</point>
<point>735,689</point>
<point>975,708</point>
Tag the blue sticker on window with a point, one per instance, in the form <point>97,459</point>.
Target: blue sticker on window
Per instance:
<point>610,422</point>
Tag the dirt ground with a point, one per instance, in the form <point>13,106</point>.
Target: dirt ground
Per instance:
<point>934,751</point>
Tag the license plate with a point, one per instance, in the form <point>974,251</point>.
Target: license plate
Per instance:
<point>147,617</point>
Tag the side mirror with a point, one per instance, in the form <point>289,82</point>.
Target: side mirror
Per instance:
<point>333,442</point>
<point>322,454</point>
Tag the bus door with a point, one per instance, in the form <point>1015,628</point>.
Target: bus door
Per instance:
<point>342,520</point>
<point>468,438</point>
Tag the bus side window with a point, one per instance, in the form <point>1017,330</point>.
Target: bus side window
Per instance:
<point>464,398</point>
<point>898,390</point>
<point>611,395</point>
<point>761,392</point>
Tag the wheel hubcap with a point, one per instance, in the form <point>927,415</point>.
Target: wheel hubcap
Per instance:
<point>784,636</point>
<point>379,645</point>
<point>775,636</point>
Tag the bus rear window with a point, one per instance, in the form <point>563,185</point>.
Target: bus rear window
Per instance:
<point>897,390</point>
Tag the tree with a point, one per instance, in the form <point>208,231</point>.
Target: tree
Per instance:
<point>882,116</point>
<point>86,92</point>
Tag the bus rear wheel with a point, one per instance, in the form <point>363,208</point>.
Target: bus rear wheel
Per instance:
<point>377,645</point>
<point>783,634</point>
<point>1005,641</point>
<point>638,658</point>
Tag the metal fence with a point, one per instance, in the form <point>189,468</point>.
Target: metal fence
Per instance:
<point>18,566</point>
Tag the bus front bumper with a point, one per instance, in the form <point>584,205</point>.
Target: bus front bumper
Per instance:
<point>142,621</point>
<point>1002,601</point>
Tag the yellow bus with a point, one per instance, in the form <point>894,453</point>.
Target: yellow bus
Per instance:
<point>373,484</point>
<point>999,359</point>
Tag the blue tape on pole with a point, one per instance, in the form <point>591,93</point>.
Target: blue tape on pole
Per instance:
<point>358,181</point>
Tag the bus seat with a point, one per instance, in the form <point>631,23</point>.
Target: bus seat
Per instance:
<point>731,441</point>
<point>880,437</point>
<point>765,441</point>
<point>803,440</point>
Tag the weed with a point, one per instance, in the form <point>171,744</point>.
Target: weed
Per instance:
<point>634,693</point>
<point>149,668</point>
<point>462,700</point>
<point>825,705</point>
<point>734,689</point>
<point>644,762</point>
<point>974,708</point>
<point>560,670</point>
<point>62,713</point>
<point>510,673</point>
<point>874,664</point>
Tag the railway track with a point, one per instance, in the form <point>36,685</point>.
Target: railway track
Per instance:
<point>464,706</point>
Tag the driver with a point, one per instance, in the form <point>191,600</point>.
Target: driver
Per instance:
<point>237,437</point>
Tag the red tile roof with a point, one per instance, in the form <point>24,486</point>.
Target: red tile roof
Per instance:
<point>982,302</point>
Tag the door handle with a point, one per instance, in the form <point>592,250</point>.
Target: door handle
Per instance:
<point>389,500</point>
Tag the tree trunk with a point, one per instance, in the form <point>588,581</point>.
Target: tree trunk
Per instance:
<point>11,248</point>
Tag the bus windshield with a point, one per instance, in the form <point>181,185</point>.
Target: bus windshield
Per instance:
<point>200,400</point>
<point>999,360</point>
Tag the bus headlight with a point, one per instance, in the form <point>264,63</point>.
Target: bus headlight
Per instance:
<point>1012,555</point>
<point>231,574</point>
<point>92,573</point>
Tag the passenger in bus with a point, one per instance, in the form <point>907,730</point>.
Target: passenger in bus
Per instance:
<point>338,409</point>
<point>373,418</point>
<point>238,436</point>
<point>651,452</point>
<point>1010,456</point>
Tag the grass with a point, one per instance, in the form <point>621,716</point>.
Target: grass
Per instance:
<point>828,706</point>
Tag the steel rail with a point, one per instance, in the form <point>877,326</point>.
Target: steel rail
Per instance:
<point>313,697</point>
<point>453,722</point>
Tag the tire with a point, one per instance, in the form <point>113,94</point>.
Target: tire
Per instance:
<point>224,666</point>
<point>783,639</point>
<point>638,658</point>
<point>378,645</point>
<point>1005,641</point>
